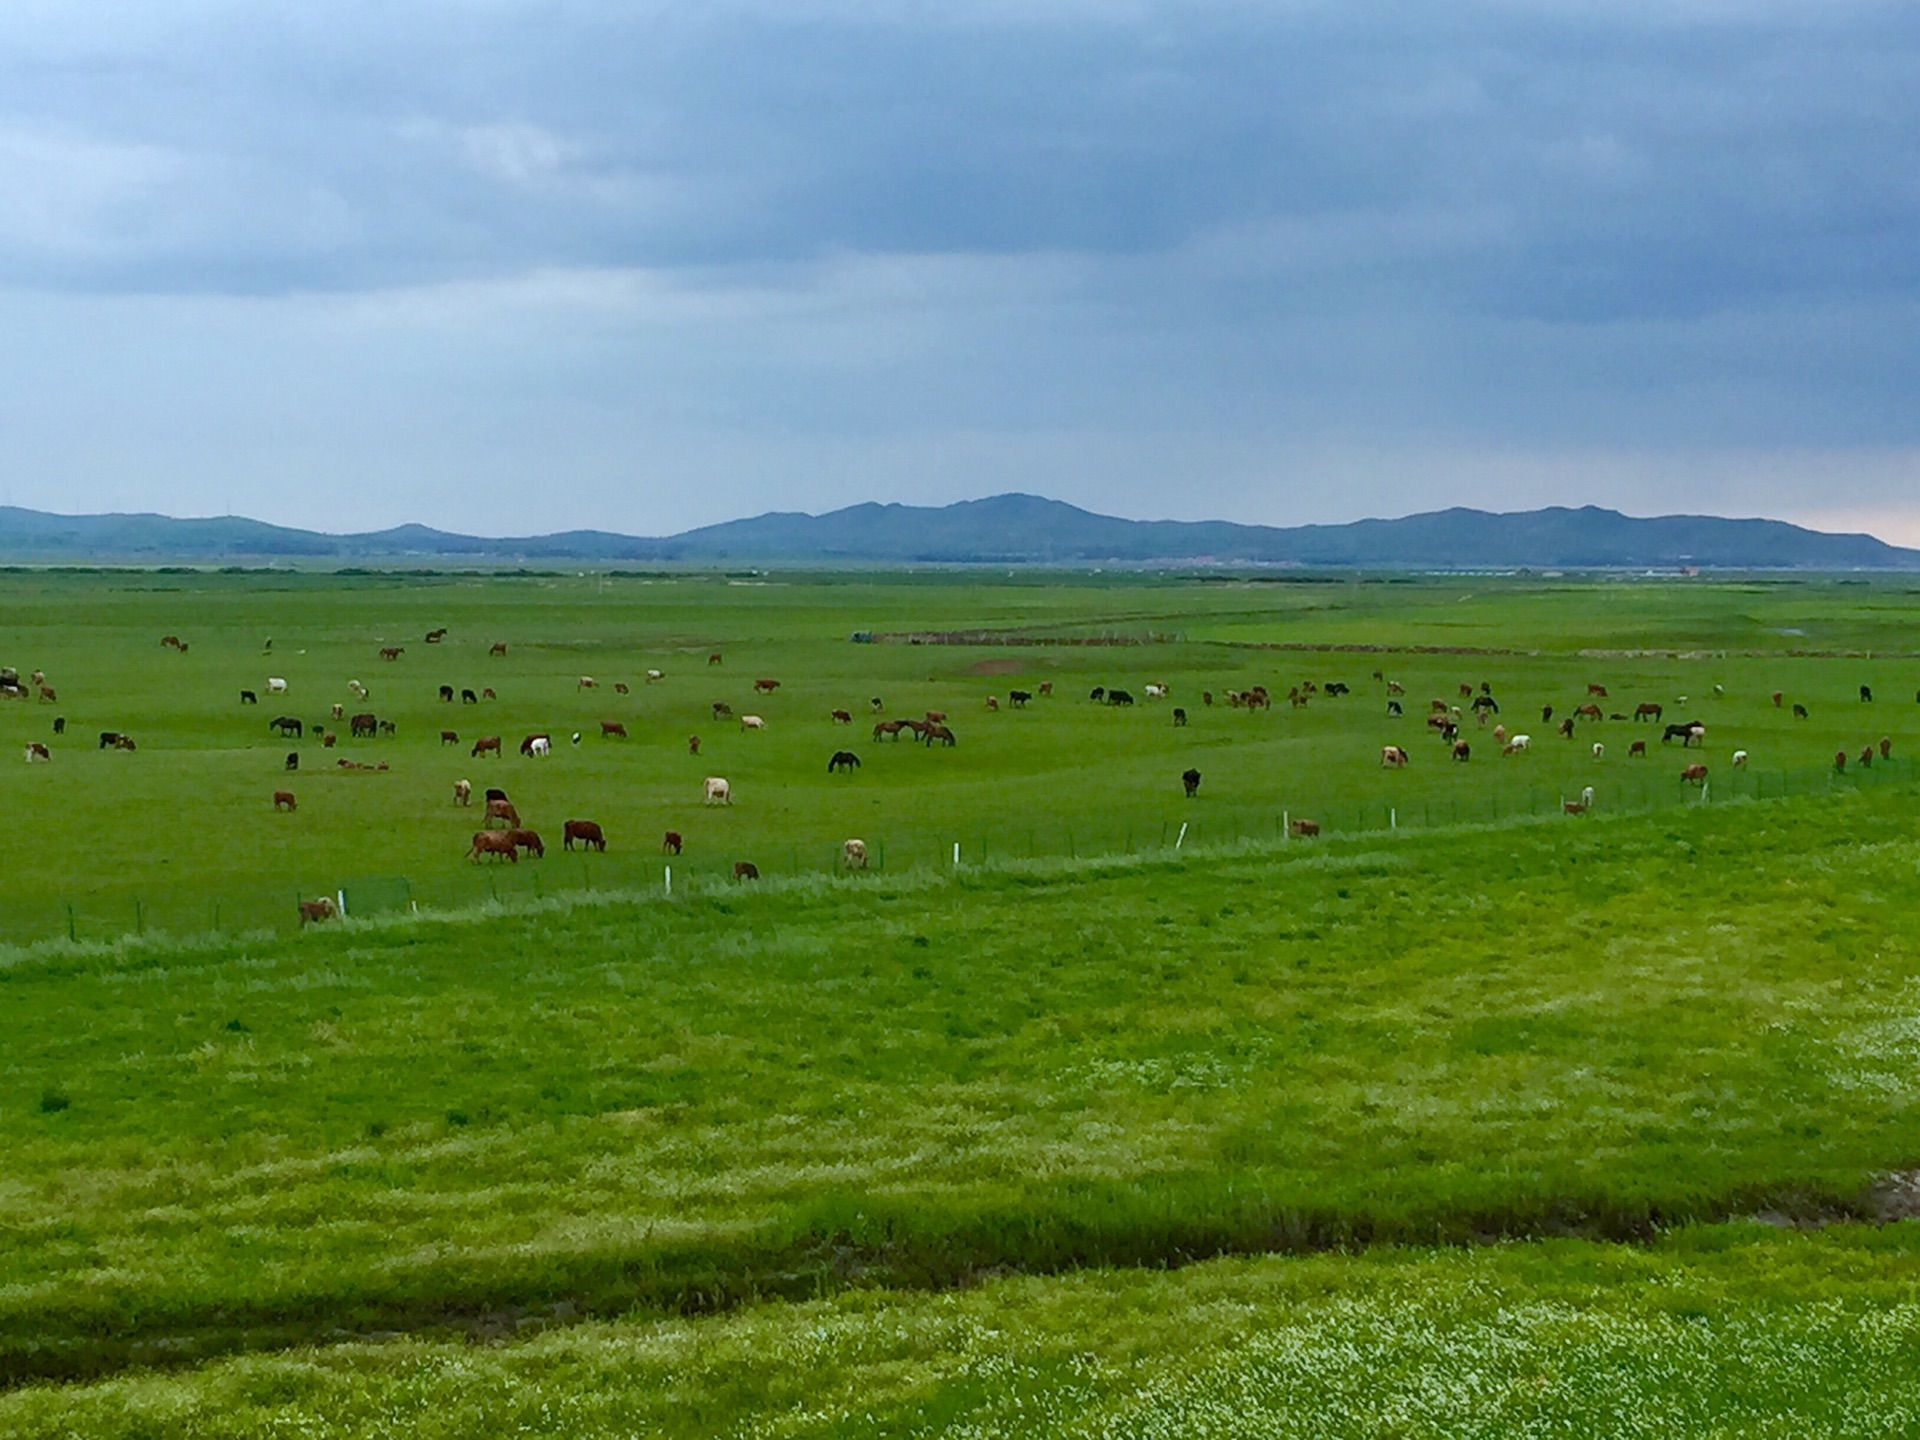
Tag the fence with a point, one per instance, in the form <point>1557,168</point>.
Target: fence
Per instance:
<point>1210,823</point>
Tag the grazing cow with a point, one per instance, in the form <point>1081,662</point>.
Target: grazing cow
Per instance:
<point>1046,688</point>
<point>446,694</point>
<point>1647,710</point>
<point>1019,698</point>
<point>1517,744</point>
<point>1598,690</point>
<point>528,840</point>
<point>587,682</point>
<point>765,687</point>
<point>654,675</point>
<point>671,843</point>
<point>359,690</point>
<point>1778,696</point>
<point>1886,748</point>
<point>1462,751</point>
<point>1465,689</point>
<point>1589,711</point>
<point>247,697</point>
<point>1303,829</point>
<point>1580,806</point>
<point>1394,756</point>
<point>745,870</point>
<point>1156,692</point>
<point>170,642</point>
<point>449,737</point>
<point>620,688</point>
<point>537,747</point>
<point>485,745</point>
<point>59,724</point>
<point>467,697</point>
<point>287,725</point>
<point>875,705</point>
<point>1191,779</point>
<point>1695,774</point>
<point>499,647</point>
<point>125,742</point>
<point>1866,757</point>
<point>612,730</point>
<point>1338,687</point>
<point>936,717</point>
<point>1566,728</point>
<point>463,792</point>
<point>1839,760</point>
<point>752,722</point>
<point>891,728</point>
<point>503,811</point>
<point>693,744</point>
<point>937,732</point>
<point>716,791</point>
<point>1119,697</point>
<point>1599,751</point>
<point>1739,759</point>
<point>843,760</point>
<point>1097,694</point>
<point>392,652</point>
<point>1637,750</point>
<point>1393,707</point>
<point>283,800</point>
<point>842,717</point>
<point>497,843</point>
<point>587,832</point>
<point>1179,716</point>
<point>1866,692</point>
<point>721,710</point>
<point>853,854</point>
<point>1546,714</point>
<point>365,723</point>
<point>338,712</point>
<point>312,912</point>
<point>276,685</point>
<point>37,751</point>
<point>1799,712</point>
<point>293,760</point>
<point>714,658</point>
<point>434,637</point>
<point>387,727</point>
<point>494,792</point>
<point>328,740</point>
<point>992,703</point>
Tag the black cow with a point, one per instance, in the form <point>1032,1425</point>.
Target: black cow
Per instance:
<point>1191,779</point>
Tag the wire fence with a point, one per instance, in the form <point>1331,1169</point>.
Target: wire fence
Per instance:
<point>1201,825</point>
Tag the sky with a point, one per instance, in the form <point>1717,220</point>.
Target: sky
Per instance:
<point>513,267</point>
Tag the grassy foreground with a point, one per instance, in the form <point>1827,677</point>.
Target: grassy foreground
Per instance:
<point>1728,1331</point>
<point>1592,1026</point>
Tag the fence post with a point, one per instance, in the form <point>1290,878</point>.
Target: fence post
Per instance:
<point>72,930</point>
<point>956,854</point>
<point>669,882</point>
<point>1393,818</point>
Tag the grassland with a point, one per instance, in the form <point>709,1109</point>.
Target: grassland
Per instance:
<point>1161,1143</point>
<point>111,831</point>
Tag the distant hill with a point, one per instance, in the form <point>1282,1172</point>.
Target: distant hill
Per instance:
<point>1005,529</point>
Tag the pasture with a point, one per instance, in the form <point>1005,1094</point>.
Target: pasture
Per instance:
<point>182,834</point>
<point>1506,1121</point>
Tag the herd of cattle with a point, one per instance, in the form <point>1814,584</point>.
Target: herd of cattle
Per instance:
<point>503,836</point>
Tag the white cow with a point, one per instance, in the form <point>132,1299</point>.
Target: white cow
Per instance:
<point>653,675</point>
<point>853,854</point>
<point>539,747</point>
<point>1599,751</point>
<point>463,792</point>
<point>752,722</point>
<point>37,751</point>
<point>357,688</point>
<point>587,682</point>
<point>276,686</point>
<point>1518,743</point>
<point>718,792</point>
<point>1156,692</point>
<point>1739,759</point>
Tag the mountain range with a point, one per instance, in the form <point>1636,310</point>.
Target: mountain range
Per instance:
<point>1002,529</point>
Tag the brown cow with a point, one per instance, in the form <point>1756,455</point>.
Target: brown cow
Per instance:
<point>37,751</point>
<point>314,911</point>
<point>620,688</point>
<point>1866,757</point>
<point>714,658</point>
<point>496,843</point>
<point>503,811</point>
<point>528,840</point>
<point>1638,749</point>
<point>936,717</point>
<point>1588,711</point>
<point>1046,688</point>
<point>329,740</point>
<point>721,710</point>
<point>671,844</point>
<point>1566,727</point>
<point>1799,712</point>
<point>1462,750</point>
<point>449,737</point>
<point>992,703</point>
<point>612,730</point>
<point>499,648</point>
<point>1777,697</point>
<point>693,744</point>
<point>172,641</point>
<point>1597,690</point>
<point>745,870</point>
<point>1694,775</point>
<point>587,832</point>
<point>283,800</point>
<point>487,694</point>
<point>392,652</point>
<point>1839,760</point>
<point>1393,755</point>
<point>842,717</point>
<point>47,695</point>
<point>1303,829</point>
<point>765,687</point>
<point>485,745</point>
<point>1886,748</point>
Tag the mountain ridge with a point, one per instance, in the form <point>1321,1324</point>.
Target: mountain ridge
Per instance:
<point>1007,529</point>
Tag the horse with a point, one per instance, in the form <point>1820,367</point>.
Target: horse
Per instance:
<point>1866,693</point>
<point>486,745</point>
<point>449,737</point>
<point>1019,698</point>
<point>499,647</point>
<point>1694,775</point>
<point>1647,710</point>
<point>587,832</point>
<point>765,687</point>
<point>434,637</point>
<point>937,732</point>
<point>693,744</point>
<point>1303,829</point>
<point>843,760</point>
<point>841,717</point>
<point>364,723</point>
<point>890,728</point>
<point>752,722</point>
<point>392,652</point>
<point>287,725</point>
<point>467,697</point>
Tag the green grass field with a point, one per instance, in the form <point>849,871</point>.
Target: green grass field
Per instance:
<point>1493,1127</point>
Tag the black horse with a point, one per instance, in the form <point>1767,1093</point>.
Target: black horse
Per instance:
<point>843,760</point>
<point>287,725</point>
<point>1686,732</point>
